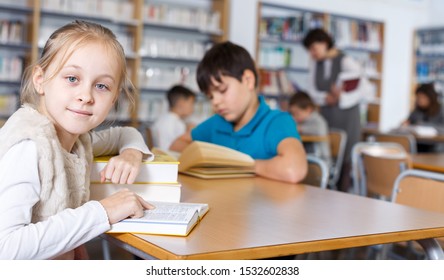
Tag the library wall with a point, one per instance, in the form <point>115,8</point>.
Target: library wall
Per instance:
<point>400,18</point>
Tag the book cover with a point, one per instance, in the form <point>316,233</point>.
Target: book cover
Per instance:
<point>166,219</point>
<point>348,81</point>
<point>157,192</point>
<point>163,169</point>
<point>207,160</point>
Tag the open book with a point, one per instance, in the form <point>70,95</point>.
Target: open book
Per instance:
<point>166,219</point>
<point>206,160</point>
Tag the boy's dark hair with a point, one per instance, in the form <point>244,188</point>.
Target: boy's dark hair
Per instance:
<point>177,92</point>
<point>224,59</point>
<point>429,91</point>
<point>317,35</point>
<point>302,100</point>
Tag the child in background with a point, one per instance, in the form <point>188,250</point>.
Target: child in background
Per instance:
<point>48,147</point>
<point>172,125</point>
<point>310,122</point>
<point>243,121</point>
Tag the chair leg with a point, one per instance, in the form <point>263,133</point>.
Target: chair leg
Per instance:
<point>106,250</point>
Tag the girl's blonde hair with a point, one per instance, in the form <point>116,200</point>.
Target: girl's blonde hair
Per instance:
<point>64,41</point>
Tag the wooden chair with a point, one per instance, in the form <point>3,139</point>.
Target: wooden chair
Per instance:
<point>317,174</point>
<point>338,140</point>
<point>408,141</point>
<point>372,148</point>
<point>381,170</point>
<point>420,189</point>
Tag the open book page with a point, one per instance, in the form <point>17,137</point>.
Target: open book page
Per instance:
<point>166,219</point>
<point>203,154</point>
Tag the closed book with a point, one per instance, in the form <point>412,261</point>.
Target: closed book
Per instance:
<point>158,192</point>
<point>166,219</point>
<point>163,169</point>
<point>211,161</point>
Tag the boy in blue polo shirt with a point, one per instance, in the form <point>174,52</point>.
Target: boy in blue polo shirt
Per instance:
<point>243,121</point>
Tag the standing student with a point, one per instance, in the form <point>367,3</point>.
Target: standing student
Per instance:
<point>310,122</point>
<point>48,147</point>
<point>171,125</point>
<point>243,121</point>
<point>339,107</point>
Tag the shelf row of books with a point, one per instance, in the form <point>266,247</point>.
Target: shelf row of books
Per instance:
<point>111,9</point>
<point>8,103</point>
<point>430,42</point>
<point>11,68</point>
<point>291,28</point>
<point>283,55</point>
<point>173,48</point>
<point>163,78</point>
<point>275,83</point>
<point>11,31</point>
<point>188,17</point>
<point>427,70</point>
<point>349,33</point>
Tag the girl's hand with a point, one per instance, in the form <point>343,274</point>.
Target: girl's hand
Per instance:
<point>124,204</point>
<point>122,169</point>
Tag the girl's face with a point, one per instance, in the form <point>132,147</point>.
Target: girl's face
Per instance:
<point>233,99</point>
<point>422,100</point>
<point>318,50</point>
<point>79,97</point>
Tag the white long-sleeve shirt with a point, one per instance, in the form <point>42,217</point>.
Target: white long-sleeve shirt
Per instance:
<point>19,192</point>
<point>346,100</point>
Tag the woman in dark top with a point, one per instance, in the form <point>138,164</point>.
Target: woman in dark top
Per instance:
<point>427,107</point>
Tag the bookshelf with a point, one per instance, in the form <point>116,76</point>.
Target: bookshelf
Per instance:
<point>163,41</point>
<point>280,51</point>
<point>428,60</point>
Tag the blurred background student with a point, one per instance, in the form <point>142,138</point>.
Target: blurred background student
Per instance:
<point>173,124</point>
<point>310,122</point>
<point>427,112</point>
<point>427,109</point>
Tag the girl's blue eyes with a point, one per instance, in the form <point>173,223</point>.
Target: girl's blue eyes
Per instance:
<point>73,79</point>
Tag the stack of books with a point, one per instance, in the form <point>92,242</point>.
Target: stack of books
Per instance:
<point>157,180</point>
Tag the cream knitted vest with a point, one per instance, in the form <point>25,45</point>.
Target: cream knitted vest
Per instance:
<point>64,176</point>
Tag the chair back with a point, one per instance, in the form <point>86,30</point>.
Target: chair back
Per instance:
<point>317,173</point>
<point>420,189</point>
<point>338,140</point>
<point>374,148</point>
<point>408,141</point>
<point>381,171</point>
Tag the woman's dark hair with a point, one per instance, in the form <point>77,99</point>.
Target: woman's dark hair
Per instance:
<point>224,59</point>
<point>317,35</point>
<point>429,91</point>
<point>302,100</point>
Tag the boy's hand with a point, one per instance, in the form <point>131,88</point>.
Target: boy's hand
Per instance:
<point>122,169</point>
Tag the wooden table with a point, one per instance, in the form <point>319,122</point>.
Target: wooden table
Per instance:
<point>313,138</point>
<point>254,218</point>
<point>429,161</point>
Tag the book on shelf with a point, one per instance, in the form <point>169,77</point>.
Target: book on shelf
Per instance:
<point>163,169</point>
<point>211,161</point>
<point>166,219</point>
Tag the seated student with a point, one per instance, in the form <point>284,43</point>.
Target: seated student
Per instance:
<point>172,124</point>
<point>427,109</point>
<point>243,121</point>
<point>310,122</point>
